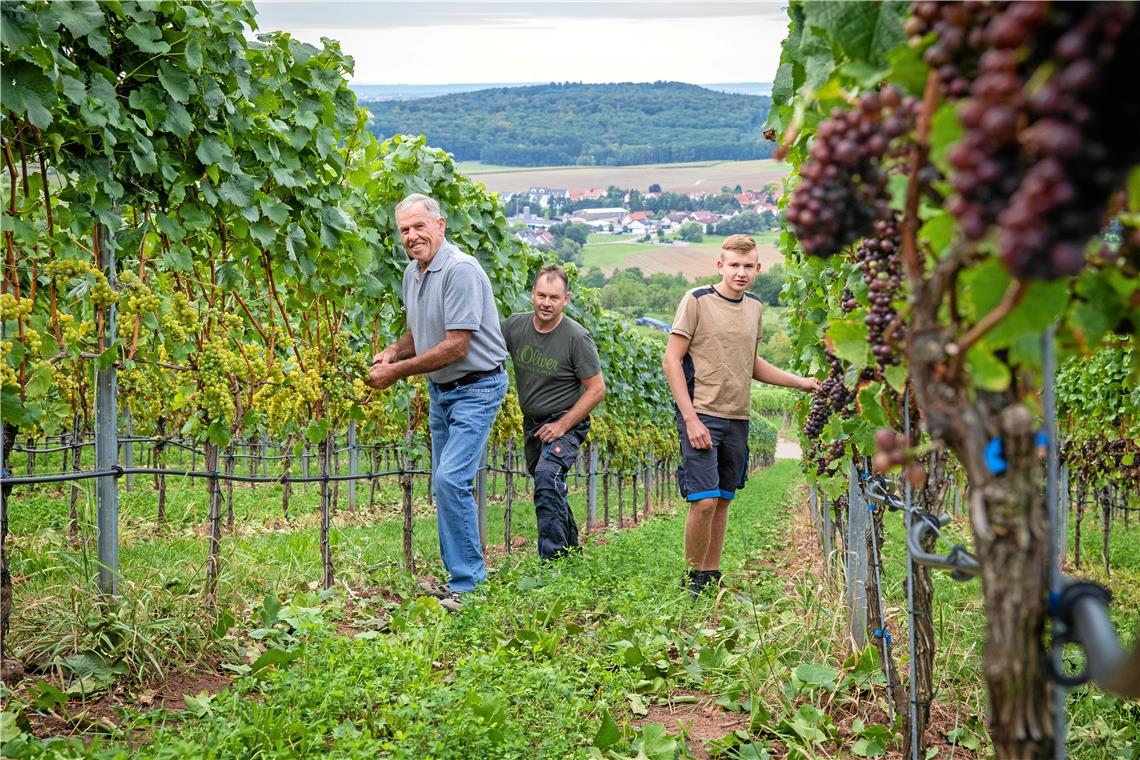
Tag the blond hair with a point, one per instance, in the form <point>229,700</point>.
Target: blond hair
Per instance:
<point>738,244</point>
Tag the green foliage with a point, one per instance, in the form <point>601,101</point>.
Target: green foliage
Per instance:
<point>771,400</point>
<point>748,223</point>
<point>251,215</point>
<point>769,284</point>
<point>1098,407</point>
<point>762,434</point>
<point>692,232</point>
<point>603,125</point>
<point>575,231</point>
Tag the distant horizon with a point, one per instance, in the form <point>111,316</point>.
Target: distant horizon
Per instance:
<point>539,81</point>
<point>380,92</point>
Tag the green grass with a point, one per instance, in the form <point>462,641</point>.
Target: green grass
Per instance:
<point>541,658</point>
<point>606,251</point>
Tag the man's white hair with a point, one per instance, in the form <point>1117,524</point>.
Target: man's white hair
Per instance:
<point>431,205</point>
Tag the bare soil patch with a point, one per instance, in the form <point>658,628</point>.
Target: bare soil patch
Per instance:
<point>104,715</point>
<point>702,720</point>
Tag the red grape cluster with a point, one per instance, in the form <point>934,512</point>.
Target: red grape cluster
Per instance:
<point>893,450</point>
<point>847,302</point>
<point>878,260</point>
<point>1050,130</point>
<point>958,39</point>
<point>843,187</point>
<point>832,396</point>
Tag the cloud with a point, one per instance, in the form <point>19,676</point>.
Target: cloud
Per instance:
<point>448,42</point>
<point>371,14</point>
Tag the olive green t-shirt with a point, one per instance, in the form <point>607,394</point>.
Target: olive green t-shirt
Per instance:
<point>549,366</point>
<point>723,336</point>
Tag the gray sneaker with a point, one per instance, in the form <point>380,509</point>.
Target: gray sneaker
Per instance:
<point>433,588</point>
<point>453,602</point>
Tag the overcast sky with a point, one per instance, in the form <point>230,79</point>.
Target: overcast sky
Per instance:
<point>462,42</point>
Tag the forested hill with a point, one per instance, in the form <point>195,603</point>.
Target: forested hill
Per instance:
<point>586,124</point>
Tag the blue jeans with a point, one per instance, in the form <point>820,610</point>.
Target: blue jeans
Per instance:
<point>460,422</point>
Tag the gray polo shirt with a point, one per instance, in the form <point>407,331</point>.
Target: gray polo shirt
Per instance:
<point>453,294</point>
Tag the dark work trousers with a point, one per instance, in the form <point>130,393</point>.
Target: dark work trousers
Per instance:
<point>548,464</point>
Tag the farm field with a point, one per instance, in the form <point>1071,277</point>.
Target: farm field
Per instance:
<point>597,653</point>
<point>708,176</point>
<point>689,259</point>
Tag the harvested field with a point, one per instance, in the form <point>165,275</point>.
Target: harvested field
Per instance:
<point>692,261</point>
<point>707,176</point>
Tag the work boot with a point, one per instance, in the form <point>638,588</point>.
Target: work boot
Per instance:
<point>712,578</point>
<point>433,588</point>
<point>697,581</point>
<point>453,602</point>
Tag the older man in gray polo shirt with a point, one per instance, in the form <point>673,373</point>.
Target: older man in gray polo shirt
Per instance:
<point>453,338</point>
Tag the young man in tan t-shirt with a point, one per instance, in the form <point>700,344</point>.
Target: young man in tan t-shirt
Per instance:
<point>710,362</point>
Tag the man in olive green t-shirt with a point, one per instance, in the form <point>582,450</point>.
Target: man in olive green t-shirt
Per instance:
<point>710,362</point>
<point>559,380</point>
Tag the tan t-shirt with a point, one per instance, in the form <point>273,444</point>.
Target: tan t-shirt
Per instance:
<point>723,335</point>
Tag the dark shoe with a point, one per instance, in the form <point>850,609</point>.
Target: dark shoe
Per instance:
<point>433,588</point>
<point>453,602</point>
<point>712,578</point>
<point>566,551</point>
<point>697,581</point>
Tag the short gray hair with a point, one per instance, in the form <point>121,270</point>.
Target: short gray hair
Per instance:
<point>431,205</point>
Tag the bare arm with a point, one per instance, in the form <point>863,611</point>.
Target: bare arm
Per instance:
<point>594,391</point>
<point>675,351</point>
<point>766,373</point>
<point>452,348</point>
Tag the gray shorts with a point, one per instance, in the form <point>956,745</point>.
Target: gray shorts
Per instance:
<point>718,472</point>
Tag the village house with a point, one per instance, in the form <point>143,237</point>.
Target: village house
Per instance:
<point>706,217</point>
<point>611,215</point>
<point>638,228</point>
<point>528,219</point>
<point>535,237</point>
<point>587,195</point>
<point>541,196</point>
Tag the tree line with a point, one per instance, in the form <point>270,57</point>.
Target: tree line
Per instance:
<point>584,124</point>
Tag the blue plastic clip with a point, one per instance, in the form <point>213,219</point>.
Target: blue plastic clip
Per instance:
<point>879,633</point>
<point>1042,439</point>
<point>995,461</point>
